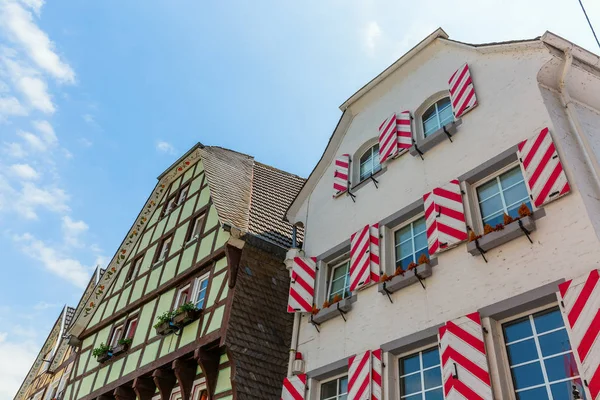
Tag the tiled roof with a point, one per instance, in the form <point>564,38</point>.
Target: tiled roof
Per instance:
<point>69,317</point>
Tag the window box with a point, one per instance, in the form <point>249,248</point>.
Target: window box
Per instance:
<point>437,137</point>
<point>333,310</point>
<point>401,281</point>
<point>165,328</point>
<point>104,357</point>
<point>185,317</point>
<point>498,238</point>
<point>120,349</point>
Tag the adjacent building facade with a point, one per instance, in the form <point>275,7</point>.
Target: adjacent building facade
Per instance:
<point>452,231</point>
<point>192,305</point>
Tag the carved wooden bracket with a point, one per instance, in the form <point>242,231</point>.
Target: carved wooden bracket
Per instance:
<point>165,382</point>
<point>124,393</point>
<point>185,371</point>
<point>233,255</point>
<point>144,387</point>
<point>209,362</point>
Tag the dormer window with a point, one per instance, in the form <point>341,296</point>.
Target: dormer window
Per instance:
<point>437,115</point>
<point>369,163</point>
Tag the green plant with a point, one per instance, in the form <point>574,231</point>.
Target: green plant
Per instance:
<point>101,350</point>
<point>167,316</point>
<point>125,341</point>
<point>186,307</point>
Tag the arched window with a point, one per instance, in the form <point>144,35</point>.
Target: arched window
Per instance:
<point>436,116</point>
<point>369,162</point>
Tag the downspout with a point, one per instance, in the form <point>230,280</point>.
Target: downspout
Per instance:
<point>294,346</point>
<point>584,143</point>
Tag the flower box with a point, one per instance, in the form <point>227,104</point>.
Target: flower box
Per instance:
<point>120,349</point>
<point>104,357</point>
<point>185,317</point>
<point>333,310</point>
<point>401,281</point>
<point>498,238</point>
<point>165,328</point>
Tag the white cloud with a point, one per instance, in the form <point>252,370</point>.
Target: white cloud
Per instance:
<point>43,305</point>
<point>24,171</point>
<point>371,36</point>
<point>34,141</point>
<point>19,24</point>
<point>46,130</point>
<point>26,201</point>
<point>36,92</point>
<point>85,142</point>
<point>165,147</point>
<point>62,266</point>
<point>18,356</point>
<point>73,230</point>
<point>89,118</point>
<point>11,106</point>
<point>35,5</point>
<point>14,150</point>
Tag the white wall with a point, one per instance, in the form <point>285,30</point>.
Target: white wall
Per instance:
<point>512,107</point>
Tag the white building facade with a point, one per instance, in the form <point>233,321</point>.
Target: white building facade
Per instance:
<point>452,231</point>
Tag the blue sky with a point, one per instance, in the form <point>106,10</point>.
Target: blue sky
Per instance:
<point>97,98</point>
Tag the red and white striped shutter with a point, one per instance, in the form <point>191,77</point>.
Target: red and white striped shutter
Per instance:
<point>374,252</point>
<point>360,260</point>
<point>462,92</point>
<point>465,371</point>
<point>388,138</point>
<point>294,388</point>
<point>581,306</point>
<point>340,174</point>
<point>359,376</point>
<point>445,217</point>
<point>404,130</point>
<point>544,173</point>
<point>302,286</point>
<point>377,375</point>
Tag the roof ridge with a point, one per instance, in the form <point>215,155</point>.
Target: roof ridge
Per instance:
<point>279,170</point>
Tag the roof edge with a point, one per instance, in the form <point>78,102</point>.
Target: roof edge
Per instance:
<point>180,159</point>
<point>583,55</point>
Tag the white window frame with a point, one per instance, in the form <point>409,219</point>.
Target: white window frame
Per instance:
<point>54,385</point>
<point>409,353</point>
<point>373,156</point>
<point>198,220</point>
<point>197,285</point>
<point>170,206</point>
<point>183,192</point>
<point>330,268</point>
<point>398,228</point>
<point>128,326</point>
<point>162,256</point>
<point>478,220</point>
<point>437,114</point>
<point>504,352</point>
<point>179,293</point>
<point>333,378</point>
<point>115,338</point>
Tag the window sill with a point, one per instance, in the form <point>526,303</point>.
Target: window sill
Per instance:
<point>367,180</point>
<point>332,311</point>
<point>190,242</point>
<point>437,137</point>
<point>158,263</point>
<point>510,232</point>
<point>402,281</point>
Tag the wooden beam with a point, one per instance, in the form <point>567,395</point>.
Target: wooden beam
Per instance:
<point>233,263</point>
<point>185,371</point>
<point>144,387</point>
<point>165,382</point>
<point>124,393</point>
<point>209,362</point>
<point>105,396</point>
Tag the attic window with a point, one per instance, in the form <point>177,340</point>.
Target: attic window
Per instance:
<point>369,163</point>
<point>165,247</point>
<point>183,194</point>
<point>196,230</point>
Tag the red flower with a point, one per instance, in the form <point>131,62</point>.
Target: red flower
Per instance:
<point>101,287</point>
<point>187,163</point>
<point>123,251</point>
<point>180,169</point>
<point>113,269</point>
<point>92,304</point>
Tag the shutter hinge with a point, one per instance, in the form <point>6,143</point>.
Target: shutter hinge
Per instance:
<point>562,303</point>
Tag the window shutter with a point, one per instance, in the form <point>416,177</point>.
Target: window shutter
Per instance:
<point>544,173</point>
<point>377,374</point>
<point>462,92</point>
<point>581,306</point>
<point>395,134</point>
<point>340,175</point>
<point>445,217</point>
<point>360,259</point>
<point>374,252</point>
<point>359,376</point>
<point>294,388</point>
<point>302,286</point>
<point>465,371</point>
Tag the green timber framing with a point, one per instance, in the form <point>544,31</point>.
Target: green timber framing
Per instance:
<point>204,358</point>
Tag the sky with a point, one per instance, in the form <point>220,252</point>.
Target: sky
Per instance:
<point>97,98</point>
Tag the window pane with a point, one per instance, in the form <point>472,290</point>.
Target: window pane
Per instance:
<point>511,177</point>
<point>403,234</point>
<point>329,389</point>
<point>338,272</point>
<point>432,378</point>
<point>516,195</point>
<point>337,286</point>
<point>533,394</point>
<point>564,390</point>
<point>409,365</point>
<point>446,115</point>
<point>518,330</point>
<point>431,358</point>
<point>436,394</point>
<point>419,226</point>
<point>406,249</point>
<point>488,190</point>
<point>555,342</point>
<point>413,397</point>
<point>344,385</point>
<point>421,241</point>
<point>491,206</point>
<point>547,321</point>
<point>521,352</point>
<point>528,375</point>
<point>411,384</point>
<point>418,253</point>
<point>560,367</point>
<point>430,126</point>
<point>513,210</point>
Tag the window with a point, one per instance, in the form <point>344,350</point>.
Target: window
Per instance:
<point>436,116</point>
<point>369,163</point>
<point>53,392</point>
<point>196,227</point>
<point>421,376</point>
<point>183,296</point>
<point>116,336</point>
<point>200,288</point>
<point>410,243</point>
<point>339,281</point>
<point>503,194</point>
<point>335,389</point>
<point>164,249</point>
<point>183,194</point>
<point>540,357</point>
<point>130,329</point>
<point>170,206</point>
<point>134,268</point>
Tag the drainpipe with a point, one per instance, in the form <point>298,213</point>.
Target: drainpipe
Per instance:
<point>294,346</point>
<point>584,143</point>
